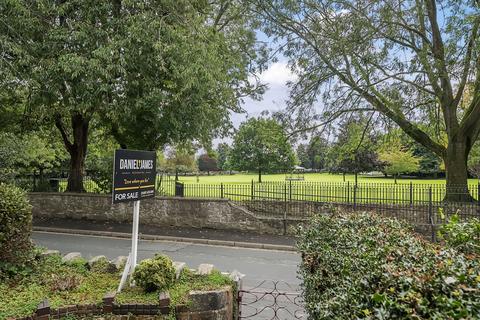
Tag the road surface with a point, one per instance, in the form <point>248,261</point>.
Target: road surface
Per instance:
<point>256,264</point>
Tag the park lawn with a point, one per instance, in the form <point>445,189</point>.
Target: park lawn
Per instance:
<point>309,177</point>
<point>318,187</point>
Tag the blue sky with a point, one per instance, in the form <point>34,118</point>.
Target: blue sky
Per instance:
<point>276,77</point>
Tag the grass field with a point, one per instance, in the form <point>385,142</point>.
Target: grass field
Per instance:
<point>309,177</point>
<point>319,187</point>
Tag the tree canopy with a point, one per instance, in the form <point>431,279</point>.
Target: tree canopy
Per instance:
<point>152,73</point>
<point>261,145</point>
<point>407,61</point>
<point>354,150</point>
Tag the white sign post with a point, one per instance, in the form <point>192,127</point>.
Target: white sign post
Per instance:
<point>134,175</point>
<point>132,256</point>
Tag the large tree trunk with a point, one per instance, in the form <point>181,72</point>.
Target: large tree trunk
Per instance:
<point>77,149</point>
<point>78,153</point>
<point>260,175</point>
<point>455,160</point>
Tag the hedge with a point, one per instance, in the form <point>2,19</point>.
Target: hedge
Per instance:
<point>364,266</point>
<point>15,229</point>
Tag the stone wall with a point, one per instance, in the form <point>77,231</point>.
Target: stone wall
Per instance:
<point>161,211</point>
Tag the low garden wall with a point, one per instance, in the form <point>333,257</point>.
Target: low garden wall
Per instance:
<point>161,211</point>
<point>203,305</point>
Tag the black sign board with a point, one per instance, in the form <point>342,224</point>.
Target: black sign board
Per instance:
<point>134,175</point>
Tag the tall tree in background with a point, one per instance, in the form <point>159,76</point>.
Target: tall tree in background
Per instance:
<point>223,154</point>
<point>152,72</point>
<point>180,159</point>
<point>409,61</point>
<point>261,145</point>
<point>474,160</point>
<point>354,150</point>
<point>207,163</point>
<point>314,154</point>
<point>398,159</point>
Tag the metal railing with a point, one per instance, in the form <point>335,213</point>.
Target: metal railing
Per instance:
<point>418,203</point>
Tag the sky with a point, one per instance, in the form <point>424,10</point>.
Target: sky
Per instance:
<point>274,99</point>
<point>276,78</point>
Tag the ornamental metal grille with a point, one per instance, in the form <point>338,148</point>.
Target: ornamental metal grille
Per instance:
<point>271,300</point>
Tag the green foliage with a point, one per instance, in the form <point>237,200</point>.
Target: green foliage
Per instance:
<point>354,150</point>
<point>207,163</point>
<point>346,54</point>
<point>474,160</point>
<point>61,283</point>
<point>398,159</point>
<point>172,70</point>
<point>364,266</point>
<point>154,274</point>
<point>314,154</point>
<point>180,159</point>
<point>99,161</point>
<point>463,236</point>
<point>31,153</point>
<point>223,154</point>
<point>262,145</point>
<point>15,229</point>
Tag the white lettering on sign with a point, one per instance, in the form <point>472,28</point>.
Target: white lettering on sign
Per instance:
<point>128,195</point>
<point>135,164</point>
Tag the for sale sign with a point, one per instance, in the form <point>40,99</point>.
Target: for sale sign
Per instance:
<point>134,175</point>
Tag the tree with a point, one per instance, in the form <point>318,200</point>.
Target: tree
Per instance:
<point>152,72</point>
<point>180,159</point>
<point>429,163</point>
<point>223,154</point>
<point>302,156</point>
<point>399,160</point>
<point>261,145</point>
<point>207,163</point>
<point>29,153</point>
<point>474,160</point>
<point>409,61</point>
<point>354,150</point>
<point>313,155</point>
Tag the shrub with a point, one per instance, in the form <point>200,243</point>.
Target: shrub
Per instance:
<point>15,229</point>
<point>363,266</point>
<point>153,274</point>
<point>463,236</point>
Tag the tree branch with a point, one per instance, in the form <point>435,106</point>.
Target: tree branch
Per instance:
<point>63,132</point>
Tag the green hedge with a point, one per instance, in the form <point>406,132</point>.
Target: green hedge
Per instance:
<point>15,229</point>
<point>363,266</point>
<point>154,274</point>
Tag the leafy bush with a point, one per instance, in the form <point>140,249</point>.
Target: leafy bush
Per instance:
<point>363,266</point>
<point>463,236</point>
<point>154,274</point>
<point>15,228</point>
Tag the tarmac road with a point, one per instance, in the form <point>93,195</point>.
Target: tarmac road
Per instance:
<point>256,264</point>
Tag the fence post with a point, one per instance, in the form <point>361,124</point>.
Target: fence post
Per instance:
<point>411,193</point>
<point>348,192</point>
<point>285,211</point>
<point>290,190</point>
<point>355,197</point>
<point>430,213</point>
<point>478,193</point>
<point>252,191</point>
<point>221,190</point>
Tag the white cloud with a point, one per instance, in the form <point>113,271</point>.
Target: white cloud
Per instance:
<point>277,75</point>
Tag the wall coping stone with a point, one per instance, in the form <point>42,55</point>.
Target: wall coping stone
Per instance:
<point>85,194</point>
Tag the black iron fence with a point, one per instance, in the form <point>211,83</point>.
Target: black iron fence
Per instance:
<point>418,203</point>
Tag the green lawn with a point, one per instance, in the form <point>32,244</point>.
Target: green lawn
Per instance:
<point>309,177</point>
<point>321,187</point>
